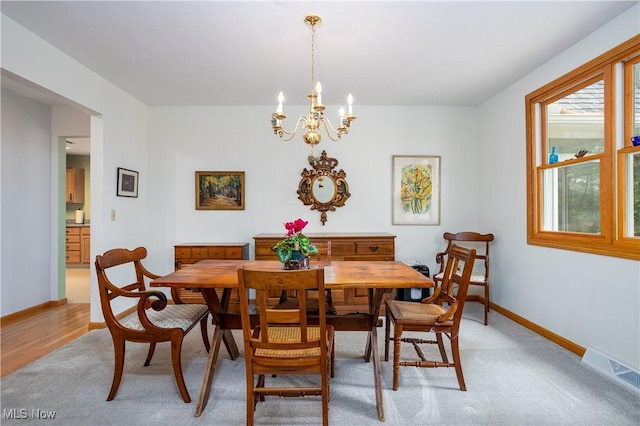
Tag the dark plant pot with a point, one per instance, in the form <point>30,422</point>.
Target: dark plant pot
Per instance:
<point>297,261</point>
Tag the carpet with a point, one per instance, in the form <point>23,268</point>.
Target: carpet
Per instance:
<point>513,377</point>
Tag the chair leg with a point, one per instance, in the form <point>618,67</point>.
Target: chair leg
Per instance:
<point>119,347</point>
<point>333,357</point>
<point>456,361</point>
<point>325,400</point>
<point>486,304</point>
<point>205,334</point>
<point>152,348</point>
<point>387,332</point>
<point>176,348</point>
<point>397,336</point>
<point>251,402</point>
<point>443,353</point>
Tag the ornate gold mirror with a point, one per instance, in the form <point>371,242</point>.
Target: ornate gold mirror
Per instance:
<point>323,188</point>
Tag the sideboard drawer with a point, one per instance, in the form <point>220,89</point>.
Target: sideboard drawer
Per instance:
<point>233,253</point>
<point>200,252</point>
<point>374,248</point>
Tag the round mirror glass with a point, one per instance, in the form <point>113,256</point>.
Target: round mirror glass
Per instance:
<point>323,189</point>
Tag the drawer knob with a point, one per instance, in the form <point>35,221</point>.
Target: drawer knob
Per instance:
<point>373,248</point>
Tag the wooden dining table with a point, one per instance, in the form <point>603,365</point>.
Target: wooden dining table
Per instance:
<point>212,277</point>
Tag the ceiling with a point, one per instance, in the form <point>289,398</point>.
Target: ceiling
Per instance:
<point>243,53</point>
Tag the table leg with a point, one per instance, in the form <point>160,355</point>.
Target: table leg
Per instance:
<point>376,297</point>
<point>217,308</point>
<point>209,369</point>
<point>219,335</point>
<point>377,372</point>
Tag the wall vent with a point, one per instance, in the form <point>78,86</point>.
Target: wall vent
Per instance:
<point>611,368</point>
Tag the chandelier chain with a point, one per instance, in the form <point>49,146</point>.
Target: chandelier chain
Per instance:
<point>313,56</point>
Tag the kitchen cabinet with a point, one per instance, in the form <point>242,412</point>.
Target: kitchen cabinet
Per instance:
<point>85,244</point>
<point>77,244</point>
<point>344,246</point>
<point>75,185</point>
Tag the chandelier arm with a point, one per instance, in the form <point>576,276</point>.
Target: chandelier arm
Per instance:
<point>333,134</point>
<point>282,131</point>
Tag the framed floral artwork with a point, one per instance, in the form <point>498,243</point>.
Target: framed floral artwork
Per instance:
<point>219,190</point>
<point>416,190</point>
<point>127,183</point>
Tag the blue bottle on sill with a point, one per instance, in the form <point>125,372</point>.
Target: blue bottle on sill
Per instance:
<point>553,157</point>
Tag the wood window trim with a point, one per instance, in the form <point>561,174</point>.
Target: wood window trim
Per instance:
<point>609,242</point>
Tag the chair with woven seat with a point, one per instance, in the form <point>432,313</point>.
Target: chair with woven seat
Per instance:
<point>284,341</point>
<point>479,242</point>
<point>440,313</point>
<point>154,320</point>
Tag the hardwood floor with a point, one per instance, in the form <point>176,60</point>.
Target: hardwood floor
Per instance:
<point>27,340</point>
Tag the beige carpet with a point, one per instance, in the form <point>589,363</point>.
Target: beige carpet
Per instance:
<point>514,377</point>
<point>78,285</point>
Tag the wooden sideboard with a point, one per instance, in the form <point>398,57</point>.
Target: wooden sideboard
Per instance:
<point>189,253</point>
<point>344,246</point>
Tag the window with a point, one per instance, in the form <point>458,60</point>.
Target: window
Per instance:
<point>583,171</point>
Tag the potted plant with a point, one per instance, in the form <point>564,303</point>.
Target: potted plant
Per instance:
<point>295,245</point>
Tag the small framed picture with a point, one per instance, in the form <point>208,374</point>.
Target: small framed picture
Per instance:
<point>127,183</point>
<point>219,190</point>
<point>416,190</point>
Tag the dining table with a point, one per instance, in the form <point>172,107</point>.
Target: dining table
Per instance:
<point>217,278</point>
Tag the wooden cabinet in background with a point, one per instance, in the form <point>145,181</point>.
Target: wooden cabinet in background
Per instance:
<point>75,185</point>
<point>189,253</point>
<point>344,246</point>
<point>77,244</point>
<point>85,244</point>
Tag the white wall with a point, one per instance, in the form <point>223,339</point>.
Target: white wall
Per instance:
<point>118,137</point>
<point>26,229</point>
<point>591,300</point>
<point>183,140</point>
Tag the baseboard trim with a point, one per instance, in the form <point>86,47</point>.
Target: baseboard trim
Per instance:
<point>99,325</point>
<point>547,334</point>
<point>31,311</point>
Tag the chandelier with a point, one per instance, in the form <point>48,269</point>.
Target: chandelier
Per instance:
<point>316,119</point>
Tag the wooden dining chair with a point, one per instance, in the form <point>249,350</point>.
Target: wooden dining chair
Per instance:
<point>440,313</point>
<point>154,320</point>
<point>479,242</point>
<point>284,341</point>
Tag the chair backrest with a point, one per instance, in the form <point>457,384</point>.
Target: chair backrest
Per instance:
<point>475,240</point>
<point>457,275</point>
<point>274,322</point>
<point>110,290</point>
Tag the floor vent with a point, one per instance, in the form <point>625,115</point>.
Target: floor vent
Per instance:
<point>619,372</point>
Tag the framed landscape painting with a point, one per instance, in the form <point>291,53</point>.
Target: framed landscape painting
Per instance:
<point>219,190</point>
<point>416,190</point>
<point>127,183</point>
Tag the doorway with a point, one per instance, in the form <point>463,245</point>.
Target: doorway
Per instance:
<point>77,219</point>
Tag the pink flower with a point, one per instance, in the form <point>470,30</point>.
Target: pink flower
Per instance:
<point>295,227</point>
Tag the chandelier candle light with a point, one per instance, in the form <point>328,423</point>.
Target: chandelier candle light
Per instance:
<point>316,118</point>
